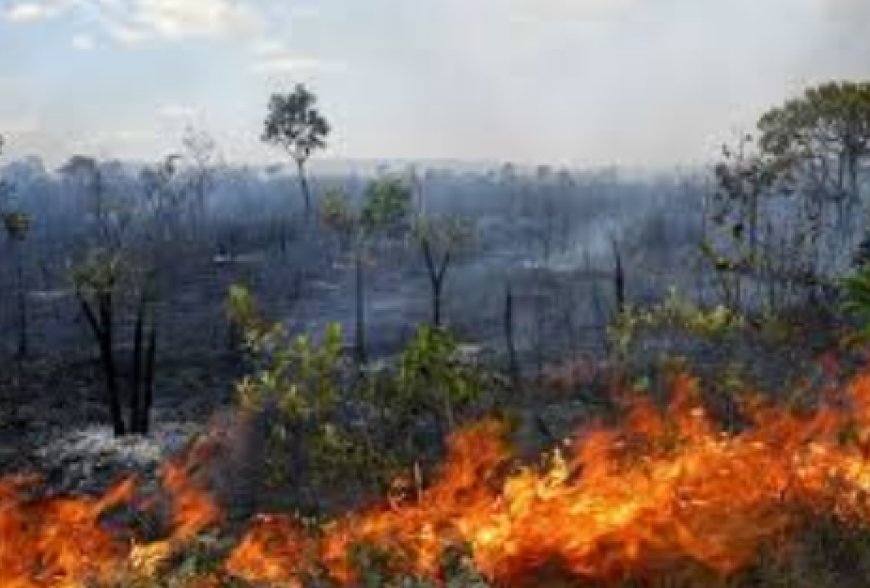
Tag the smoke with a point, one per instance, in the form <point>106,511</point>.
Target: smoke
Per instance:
<point>851,12</point>
<point>640,82</point>
<point>844,25</point>
<point>570,10</point>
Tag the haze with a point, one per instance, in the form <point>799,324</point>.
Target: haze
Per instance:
<point>570,82</point>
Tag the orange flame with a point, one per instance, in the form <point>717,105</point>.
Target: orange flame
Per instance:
<point>663,492</point>
<point>666,493</point>
<point>58,541</point>
<point>61,541</point>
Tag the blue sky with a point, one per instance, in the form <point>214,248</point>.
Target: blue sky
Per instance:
<point>567,82</point>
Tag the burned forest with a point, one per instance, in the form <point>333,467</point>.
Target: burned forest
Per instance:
<point>264,356</point>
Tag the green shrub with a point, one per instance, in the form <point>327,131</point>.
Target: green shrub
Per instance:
<point>675,313</point>
<point>431,375</point>
<point>856,297</point>
<point>327,425</point>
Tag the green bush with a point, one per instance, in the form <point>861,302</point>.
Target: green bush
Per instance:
<point>675,313</point>
<point>430,375</point>
<point>856,297</point>
<point>327,423</point>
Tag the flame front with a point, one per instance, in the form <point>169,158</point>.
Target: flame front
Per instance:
<point>62,541</point>
<point>664,493</point>
<point>56,542</point>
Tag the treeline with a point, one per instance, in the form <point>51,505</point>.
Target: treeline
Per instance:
<point>545,260</point>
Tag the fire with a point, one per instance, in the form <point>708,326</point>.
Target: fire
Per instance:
<point>58,541</point>
<point>665,492</point>
<point>193,510</point>
<point>63,542</point>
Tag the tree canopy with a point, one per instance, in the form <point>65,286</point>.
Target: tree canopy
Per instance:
<point>295,124</point>
<point>826,132</point>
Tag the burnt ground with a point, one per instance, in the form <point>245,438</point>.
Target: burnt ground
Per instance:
<point>53,418</point>
<point>55,422</point>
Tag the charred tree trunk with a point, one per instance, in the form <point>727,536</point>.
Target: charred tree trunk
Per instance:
<point>618,279</point>
<point>437,272</point>
<point>142,373</point>
<point>23,339</point>
<point>360,343</point>
<point>852,161</point>
<point>107,348</point>
<point>436,303</point>
<point>148,382</point>
<point>102,326</point>
<point>303,186</point>
<point>144,352</point>
<point>136,392</point>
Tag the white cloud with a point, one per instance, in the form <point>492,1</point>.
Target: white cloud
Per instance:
<point>24,12</point>
<point>178,19</point>
<point>83,42</point>
<point>133,22</point>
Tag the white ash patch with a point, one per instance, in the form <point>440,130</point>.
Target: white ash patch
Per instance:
<point>92,457</point>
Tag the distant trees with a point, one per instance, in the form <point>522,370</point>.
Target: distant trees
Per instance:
<point>16,224</point>
<point>165,197</point>
<point>107,218</point>
<point>201,151</point>
<point>384,212</point>
<point>295,124</point>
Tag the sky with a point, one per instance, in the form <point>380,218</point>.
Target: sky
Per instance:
<point>646,83</point>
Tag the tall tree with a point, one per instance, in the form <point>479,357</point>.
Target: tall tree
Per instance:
<point>787,200</point>
<point>295,124</point>
<point>824,137</point>
<point>746,181</point>
<point>441,239</point>
<point>384,213</point>
<point>827,129</point>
